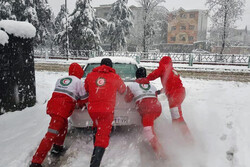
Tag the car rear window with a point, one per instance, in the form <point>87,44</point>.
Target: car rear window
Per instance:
<point>126,71</point>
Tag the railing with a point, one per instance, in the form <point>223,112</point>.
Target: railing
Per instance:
<point>188,58</point>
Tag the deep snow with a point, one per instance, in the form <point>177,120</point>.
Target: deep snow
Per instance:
<point>217,113</point>
<point>21,29</point>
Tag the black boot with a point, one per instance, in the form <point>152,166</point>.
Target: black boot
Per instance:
<point>97,156</point>
<point>94,133</point>
<point>57,150</point>
<point>35,165</point>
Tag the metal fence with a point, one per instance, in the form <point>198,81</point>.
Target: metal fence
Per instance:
<point>188,58</point>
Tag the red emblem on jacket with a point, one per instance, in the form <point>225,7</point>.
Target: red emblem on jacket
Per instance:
<point>100,81</point>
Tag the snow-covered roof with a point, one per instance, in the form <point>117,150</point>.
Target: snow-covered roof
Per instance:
<point>18,28</point>
<point>126,60</point>
<point>4,38</point>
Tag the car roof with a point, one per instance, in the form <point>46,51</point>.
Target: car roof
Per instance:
<point>125,60</point>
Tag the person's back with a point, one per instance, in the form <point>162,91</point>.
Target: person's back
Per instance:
<point>170,79</point>
<point>102,84</point>
<point>66,93</point>
<point>144,96</point>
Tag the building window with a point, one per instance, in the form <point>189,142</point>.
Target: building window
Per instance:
<point>173,38</point>
<point>182,37</point>
<point>190,38</point>
<point>183,27</point>
<point>173,28</point>
<point>192,15</point>
<point>106,14</point>
<point>182,15</point>
<point>191,27</point>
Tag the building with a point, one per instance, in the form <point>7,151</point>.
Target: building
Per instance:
<point>134,41</point>
<point>187,26</point>
<point>103,11</point>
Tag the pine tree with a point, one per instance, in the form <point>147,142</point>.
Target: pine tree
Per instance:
<point>84,33</point>
<point>60,28</point>
<point>18,7</point>
<point>36,12</point>
<point>60,19</point>
<point>6,10</point>
<point>119,25</point>
<point>45,24</point>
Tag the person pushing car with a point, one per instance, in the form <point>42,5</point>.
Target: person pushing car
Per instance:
<point>102,84</point>
<point>149,108</point>
<point>68,91</point>
<point>174,91</point>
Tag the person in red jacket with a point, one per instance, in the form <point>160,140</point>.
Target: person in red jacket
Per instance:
<point>149,108</point>
<point>173,89</point>
<point>102,84</point>
<point>67,92</point>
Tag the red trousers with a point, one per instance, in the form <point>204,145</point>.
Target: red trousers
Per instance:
<point>175,100</point>
<point>149,109</point>
<point>56,135</point>
<point>103,122</point>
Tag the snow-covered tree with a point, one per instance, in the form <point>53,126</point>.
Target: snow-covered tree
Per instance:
<point>60,19</point>
<point>224,14</point>
<point>84,33</point>
<point>5,10</point>
<point>148,7</point>
<point>119,25</point>
<point>160,25</point>
<point>36,12</point>
<point>60,27</point>
<point>45,22</point>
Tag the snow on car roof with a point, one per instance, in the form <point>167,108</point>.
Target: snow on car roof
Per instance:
<point>126,60</point>
<point>18,28</point>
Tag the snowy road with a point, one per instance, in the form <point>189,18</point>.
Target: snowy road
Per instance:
<point>217,113</point>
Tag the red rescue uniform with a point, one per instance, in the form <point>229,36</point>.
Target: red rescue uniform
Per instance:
<point>102,84</point>
<point>172,86</point>
<point>68,91</point>
<point>146,102</point>
<point>149,108</point>
<point>173,89</point>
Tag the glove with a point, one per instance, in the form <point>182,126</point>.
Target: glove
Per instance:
<point>158,92</point>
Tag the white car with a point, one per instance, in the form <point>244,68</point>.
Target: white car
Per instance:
<point>125,113</point>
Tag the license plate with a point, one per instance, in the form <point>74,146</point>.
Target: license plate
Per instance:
<point>121,120</point>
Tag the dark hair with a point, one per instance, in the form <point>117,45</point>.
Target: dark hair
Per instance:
<point>141,72</point>
<point>107,62</point>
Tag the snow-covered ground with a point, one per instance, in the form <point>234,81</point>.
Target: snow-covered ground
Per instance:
<point>217,113</point>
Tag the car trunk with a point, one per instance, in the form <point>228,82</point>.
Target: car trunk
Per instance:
<point>124,114</point>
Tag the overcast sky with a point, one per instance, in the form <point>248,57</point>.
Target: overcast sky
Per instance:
<point>169,4</point>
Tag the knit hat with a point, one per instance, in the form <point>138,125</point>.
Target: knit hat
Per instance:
<point>107,62</point>
<point>141,72</point>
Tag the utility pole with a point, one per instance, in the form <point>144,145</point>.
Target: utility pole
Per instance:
<point>67,34</point>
